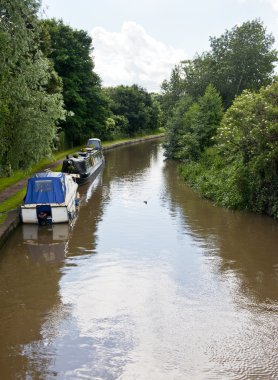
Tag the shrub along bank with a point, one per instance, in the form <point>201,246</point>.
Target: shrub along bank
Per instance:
<point>241,170</point>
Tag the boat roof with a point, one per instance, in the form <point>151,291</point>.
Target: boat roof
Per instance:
<point>46,188</point>
<point>49,174</point>
<point>93,139</point>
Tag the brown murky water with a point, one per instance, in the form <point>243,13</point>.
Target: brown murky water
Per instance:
<point>169,288</point>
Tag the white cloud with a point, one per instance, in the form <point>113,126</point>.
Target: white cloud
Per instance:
<point>133,56</point>
<point>273,3</point>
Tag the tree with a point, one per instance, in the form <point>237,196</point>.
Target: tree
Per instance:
<point>194,125</point>
<point>87,109</point>
<point>172,90</point>
<point>29,109</point>
<point>241,58</point>
<point>249,135</point>
<point>210,116</point>
<point>174,128</point>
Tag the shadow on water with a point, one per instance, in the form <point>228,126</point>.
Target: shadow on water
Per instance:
<point>246,243</point>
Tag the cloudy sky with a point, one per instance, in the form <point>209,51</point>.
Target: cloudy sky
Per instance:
<point>139,41</point>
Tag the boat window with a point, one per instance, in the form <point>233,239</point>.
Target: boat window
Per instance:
<point>43,186</point>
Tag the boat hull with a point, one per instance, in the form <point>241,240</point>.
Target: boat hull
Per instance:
<point>59,214</point>
<point>91,174</point>
<point>84,164</point>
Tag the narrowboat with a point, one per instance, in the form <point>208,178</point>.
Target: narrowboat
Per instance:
<point>50,198</point>
<point>86,163</point>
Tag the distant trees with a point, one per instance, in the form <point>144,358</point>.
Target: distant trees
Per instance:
<point>29,107</point>
<point>134,109</point>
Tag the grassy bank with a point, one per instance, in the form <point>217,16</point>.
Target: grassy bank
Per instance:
<point>18,175</point>
<point>10,204</point>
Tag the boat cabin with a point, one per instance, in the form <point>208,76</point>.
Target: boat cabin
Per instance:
<point>84,163</point>
<point>50,198</point>
<point>94,144</point>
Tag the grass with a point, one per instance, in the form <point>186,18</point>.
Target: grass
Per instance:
<point>8,181</point>
<point>13,202</point>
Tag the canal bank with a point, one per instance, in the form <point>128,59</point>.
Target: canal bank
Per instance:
<point>13,217</point>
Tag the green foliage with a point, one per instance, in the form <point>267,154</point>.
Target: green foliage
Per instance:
<point>86,105</point>
<point>13,201</point>
<point>29,110</point>
<point>241,170</point>
<point>241,58</point>
<point>172,90</point>
<point>193,126</point>
<point>214,179</point>
<point>134,110</point>
<point>235,164</point>
<point>174,128</point>
<point>250,132</point>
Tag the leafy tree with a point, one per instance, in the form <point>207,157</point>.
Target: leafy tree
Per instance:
<point>172,90</point>
<point>249,133</point>
<point>193,125</point>
<point>211,113</point>
<point>241,58</point>
<point>87,109</point>
<point>174,128</point>
<point>29,109</point>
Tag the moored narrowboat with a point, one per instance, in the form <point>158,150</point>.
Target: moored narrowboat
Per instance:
<point>86,163</point>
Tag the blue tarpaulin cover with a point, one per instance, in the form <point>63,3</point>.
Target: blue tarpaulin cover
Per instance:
<point>46,188</point>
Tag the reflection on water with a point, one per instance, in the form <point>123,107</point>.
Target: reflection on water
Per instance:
<point>151,283</point>
<point>45,242</point>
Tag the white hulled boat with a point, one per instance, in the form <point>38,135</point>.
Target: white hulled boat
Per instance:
<point>50,198</point>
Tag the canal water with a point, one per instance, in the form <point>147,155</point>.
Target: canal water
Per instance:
<point>151,283</point>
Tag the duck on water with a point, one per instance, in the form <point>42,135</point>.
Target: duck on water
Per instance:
<point>86,163</point>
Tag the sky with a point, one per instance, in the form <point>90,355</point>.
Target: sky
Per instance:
<point>140,41</point>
